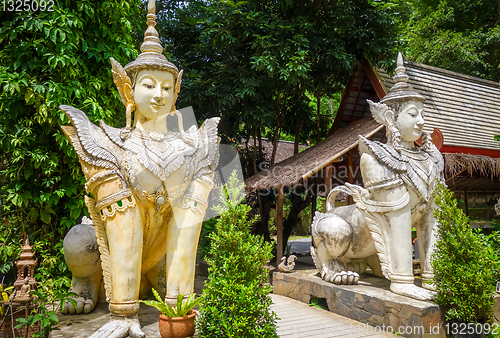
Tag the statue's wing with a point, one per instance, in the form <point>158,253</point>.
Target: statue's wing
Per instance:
<point>208,160</point>
<point>90,142</point>
<point>112,133</point>
<point>378,111</point>
<point>384,153</point>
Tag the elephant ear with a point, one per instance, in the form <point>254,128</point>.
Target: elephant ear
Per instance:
<point>378,111</point>
<point>122,82</point>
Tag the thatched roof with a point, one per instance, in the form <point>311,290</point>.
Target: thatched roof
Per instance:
<point>474,173</point>
<point>484,166</point>
<point>298,168</point>
<point>284,149</point>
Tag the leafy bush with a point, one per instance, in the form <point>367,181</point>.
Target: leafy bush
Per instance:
<point>204,245</point>
<point>236,299</point>
<point>465,263</point>
<point>50,296</point>
<point>49,58</point>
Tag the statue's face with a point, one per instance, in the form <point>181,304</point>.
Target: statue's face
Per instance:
<point>154,93</point>
<point>410,121</point>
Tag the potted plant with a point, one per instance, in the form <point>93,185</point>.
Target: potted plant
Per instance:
<point>465,268</point>
<point>175,322</point>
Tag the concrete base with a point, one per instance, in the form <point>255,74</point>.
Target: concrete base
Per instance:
<point>80,326</point>
<point>369,302</point>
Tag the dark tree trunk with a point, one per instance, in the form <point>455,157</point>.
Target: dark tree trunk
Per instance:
<point>261,227</point>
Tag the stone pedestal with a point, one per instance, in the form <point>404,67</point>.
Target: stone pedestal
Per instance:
<point>19,310</point>
<point>369,302</point>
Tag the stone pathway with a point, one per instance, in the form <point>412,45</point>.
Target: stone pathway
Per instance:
<point>299,320</point>
<point>296,320</point>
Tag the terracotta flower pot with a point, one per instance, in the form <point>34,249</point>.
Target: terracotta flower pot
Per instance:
<point>177,327</point>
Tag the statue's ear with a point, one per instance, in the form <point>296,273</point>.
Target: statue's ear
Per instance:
<point>127,92</point>
<point>389,116</point>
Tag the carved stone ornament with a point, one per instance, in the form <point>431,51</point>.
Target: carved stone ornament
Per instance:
<point>147,193</point>
<point>25,281</point>
<point>399,178</point>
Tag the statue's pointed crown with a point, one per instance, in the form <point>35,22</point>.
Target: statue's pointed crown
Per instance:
<point>151,50</point>
<point>402,90</point>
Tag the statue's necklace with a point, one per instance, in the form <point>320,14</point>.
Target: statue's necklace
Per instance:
<point>156,136</point>
<point>416,154</point>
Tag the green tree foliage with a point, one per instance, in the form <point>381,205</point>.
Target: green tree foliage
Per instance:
<point>252,62</point>
<point>465,263</point>
<point>49,58</point>
<point>457,35</point>
<point>236,298</point>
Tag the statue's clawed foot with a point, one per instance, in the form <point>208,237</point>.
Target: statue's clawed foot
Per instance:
<point>87,290</point>
<point>429,286</point>
<point>82,306</point>
<point>120,327</point>
<point>412,291</point>
<point>339,277</point>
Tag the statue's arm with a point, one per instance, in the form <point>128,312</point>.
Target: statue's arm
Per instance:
<point>205,162</point>
<point>383,183</point>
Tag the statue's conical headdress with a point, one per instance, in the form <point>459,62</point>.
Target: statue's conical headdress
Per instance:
<point>401,91</point>
<point>151,51</point>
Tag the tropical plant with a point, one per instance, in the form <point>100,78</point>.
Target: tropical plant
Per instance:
<point>465,263</point>
<point>236,300</point>
<point>49,58</point>
<point>4,295</point>
<point>182,308</point>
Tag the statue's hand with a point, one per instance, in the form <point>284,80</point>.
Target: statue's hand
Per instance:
<point>119,327</point>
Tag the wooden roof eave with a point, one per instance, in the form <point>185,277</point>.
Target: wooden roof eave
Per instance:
<point>313,159</point>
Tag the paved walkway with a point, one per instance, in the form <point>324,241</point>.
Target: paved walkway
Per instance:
<point>299,320</point>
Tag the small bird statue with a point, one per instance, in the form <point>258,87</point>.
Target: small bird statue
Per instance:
<point>287,265</point>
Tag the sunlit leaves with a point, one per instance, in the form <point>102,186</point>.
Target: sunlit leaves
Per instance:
<point>457,35</point>
<point>48,59</point>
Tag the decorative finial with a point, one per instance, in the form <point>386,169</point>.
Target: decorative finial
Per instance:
<point>400,78</point>
<point>401,90</point>
<point>151,42</point>
<point>151,50</point>
<point>151,7</point>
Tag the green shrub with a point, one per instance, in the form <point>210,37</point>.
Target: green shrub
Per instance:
<point>236,299</point>
<point>465,263</point>
<point>204,245</point>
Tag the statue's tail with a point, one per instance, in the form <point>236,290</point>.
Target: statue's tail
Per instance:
<point>330,200</point>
